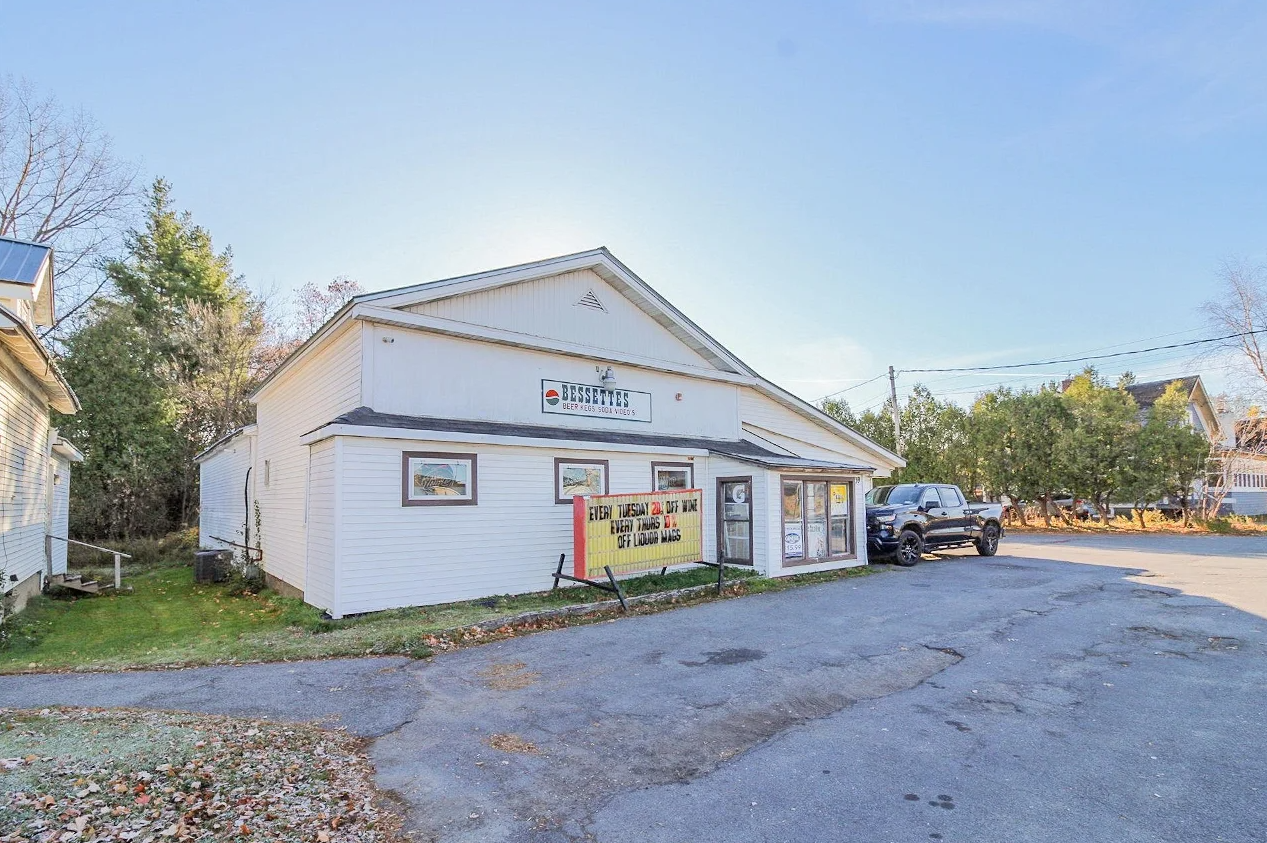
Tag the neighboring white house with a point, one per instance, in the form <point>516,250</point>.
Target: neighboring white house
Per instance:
<point>34,461</point>
<point>1202,414</point>
<point>1244,469</point>
<point>424,445</point>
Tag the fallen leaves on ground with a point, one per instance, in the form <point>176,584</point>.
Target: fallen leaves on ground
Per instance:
<point>508,676</point>
<point>511,743</point>
<point>75,775</point>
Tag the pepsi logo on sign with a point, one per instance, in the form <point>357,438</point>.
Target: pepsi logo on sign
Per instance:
<point>580,399</point>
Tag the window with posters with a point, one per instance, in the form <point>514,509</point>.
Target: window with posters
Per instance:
<point>672,476</point>
<point>817,519</point>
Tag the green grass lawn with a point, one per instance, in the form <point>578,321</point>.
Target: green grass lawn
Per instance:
<point>168,620</point>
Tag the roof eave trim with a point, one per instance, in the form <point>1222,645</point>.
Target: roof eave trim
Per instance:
<point>67,449</point>
<point>57,390</point>
<point>363,431</point>
<point>332,324</point>
<point>483,333</point>
<point>224,442</point>
<point>799,405</point>
<point>601,258</point>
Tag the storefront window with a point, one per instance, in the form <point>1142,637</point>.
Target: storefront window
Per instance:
<point>793,519</point>
<point>840,534</point>
<point>671,476</point>
<point>816,519</point>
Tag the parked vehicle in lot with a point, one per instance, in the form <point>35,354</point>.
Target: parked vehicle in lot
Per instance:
<point>907,519</point>
<point>1079,510</point>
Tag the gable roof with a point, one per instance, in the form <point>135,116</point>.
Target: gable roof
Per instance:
<point>601,262</point>
<point>1147,394</point>
<point>376,306</point>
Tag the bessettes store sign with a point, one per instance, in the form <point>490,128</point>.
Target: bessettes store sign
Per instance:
<point>578,399</point>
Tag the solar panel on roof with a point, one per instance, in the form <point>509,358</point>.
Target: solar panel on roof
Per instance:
<point>20,262</point>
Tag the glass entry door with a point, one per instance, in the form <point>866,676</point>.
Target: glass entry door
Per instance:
<point>734,494</point>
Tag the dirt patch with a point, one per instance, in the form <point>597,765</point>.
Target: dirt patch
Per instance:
<point>508,676</point>
<point>511,743</point>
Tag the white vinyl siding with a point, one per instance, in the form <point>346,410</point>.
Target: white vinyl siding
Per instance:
<point>24,474</point>
<point>222,495</point>
<point>508,543</point>
<point>60,520</point>
<point>319,589</point>
<point>313,391</point>
<point>771,425</point>
<point>1249,503</point>
<point>424,374</point>
<point>547,307</point>
<point>726,467</point>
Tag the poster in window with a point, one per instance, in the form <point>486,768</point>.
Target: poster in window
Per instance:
<point>735,506</point>
<point>793,543</point>
<point>438,478</point>
<point>816,540</point>
<point>792,500</point>
<point>579,478</point>
<point>671,478</point>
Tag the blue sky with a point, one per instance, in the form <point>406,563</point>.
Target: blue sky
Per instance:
<point>827,188</point>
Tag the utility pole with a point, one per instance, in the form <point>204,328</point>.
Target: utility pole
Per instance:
<point>897,413</point>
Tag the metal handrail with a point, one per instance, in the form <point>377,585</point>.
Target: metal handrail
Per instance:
<point>118,556</point>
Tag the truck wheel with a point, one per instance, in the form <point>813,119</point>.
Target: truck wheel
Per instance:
<point>910,547</point>
<point>988,544</point>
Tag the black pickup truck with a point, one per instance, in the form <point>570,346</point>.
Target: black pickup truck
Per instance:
<point>905,520</point>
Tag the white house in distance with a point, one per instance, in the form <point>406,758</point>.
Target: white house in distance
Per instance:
<point>424,445</point>
<point>35,480</point>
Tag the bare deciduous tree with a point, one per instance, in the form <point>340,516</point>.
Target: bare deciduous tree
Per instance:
<point>314,306</point>
<point>61,183</point>
<point>1241,309</point>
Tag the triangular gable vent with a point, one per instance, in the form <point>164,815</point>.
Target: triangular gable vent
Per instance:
<point>591,301</point>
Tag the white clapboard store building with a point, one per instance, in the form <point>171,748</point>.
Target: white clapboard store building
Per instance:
<point>425,444</point>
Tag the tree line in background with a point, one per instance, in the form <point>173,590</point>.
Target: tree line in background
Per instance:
<point>1090,440</point>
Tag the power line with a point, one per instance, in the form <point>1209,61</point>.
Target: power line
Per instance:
<point>848,388</point>
<point>1091,357</point>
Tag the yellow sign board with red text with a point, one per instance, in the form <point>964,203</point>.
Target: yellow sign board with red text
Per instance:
<point>639,532</point>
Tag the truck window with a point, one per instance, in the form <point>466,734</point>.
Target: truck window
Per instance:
<point>949,496</point>
<point>930,498</point>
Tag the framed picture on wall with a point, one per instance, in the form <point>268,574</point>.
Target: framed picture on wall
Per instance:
<point>433,479</point>
<point>672,476</point>
<point>578,477</point>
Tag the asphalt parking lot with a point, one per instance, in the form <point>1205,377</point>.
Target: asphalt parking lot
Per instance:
<point>1067,689</point>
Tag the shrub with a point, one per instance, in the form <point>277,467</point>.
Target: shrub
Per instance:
<point>164,551</point>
